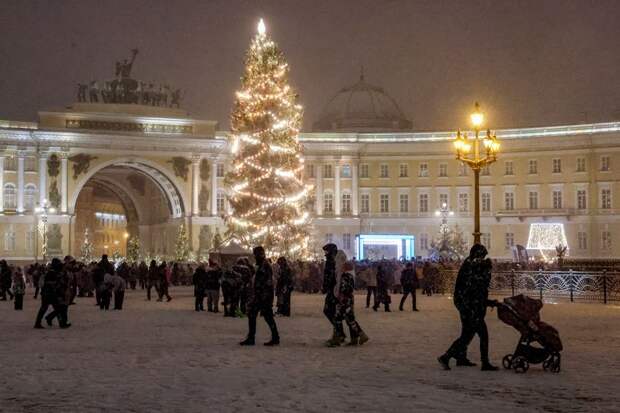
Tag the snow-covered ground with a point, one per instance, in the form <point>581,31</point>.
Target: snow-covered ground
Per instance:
<point>155,357</point>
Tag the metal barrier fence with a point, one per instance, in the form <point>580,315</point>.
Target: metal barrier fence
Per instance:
<point>601,286</point>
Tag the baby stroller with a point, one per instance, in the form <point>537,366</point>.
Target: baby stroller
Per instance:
<point>522,313</point>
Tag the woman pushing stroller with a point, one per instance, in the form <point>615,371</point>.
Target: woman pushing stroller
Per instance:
<point>471,294</point>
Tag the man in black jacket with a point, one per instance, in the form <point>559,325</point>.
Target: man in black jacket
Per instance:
<point>284,287</point>
<point>409,282</point>
<point>329,309</point>
<point>200,287</point>
<point>214,275</point>
<point>471,294</point>
<point>261,300</point>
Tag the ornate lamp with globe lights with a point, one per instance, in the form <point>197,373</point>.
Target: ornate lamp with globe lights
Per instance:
<point>43,210</point>
<point>477,152</point>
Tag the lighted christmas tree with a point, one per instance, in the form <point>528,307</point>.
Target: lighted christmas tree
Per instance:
<point>86,251</point>
<point>133,249</point>
<point>268,196</point>
<point>181,247</point>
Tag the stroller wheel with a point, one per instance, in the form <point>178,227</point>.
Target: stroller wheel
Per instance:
<point>520,364</point>
<point>507,361</point>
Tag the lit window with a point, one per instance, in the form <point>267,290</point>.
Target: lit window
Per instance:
<point>443,200</point>
<point>346,171</point>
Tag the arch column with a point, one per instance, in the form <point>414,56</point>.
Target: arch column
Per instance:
<point>1,182</point>
<point>20,183</point>
<point>214,187</point>
<point>63,182</point>
<point>195,184</point>
<point>42,178</point>
<point>354,189</point>
<point>337,189</point>
<point>319,189</point>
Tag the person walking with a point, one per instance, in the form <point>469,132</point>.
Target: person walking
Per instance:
<point>409,281</point>
<point>344,292</point>
<point>163,282</point>
<point>261,300</point>
<point>383,294</point>
<point>119,286</point>
<point>214,275</point>
<point>471,294</point>
<point>49,295</point>
<point>152,279</point>
<point>329,284</point>
<point>199,280</point>
<point>284,288</point>
<point>371,285</point>
<point>19,289</point>
<point>6,278</point>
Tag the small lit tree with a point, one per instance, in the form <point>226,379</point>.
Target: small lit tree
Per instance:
<point>133,249</point>
<point>181,248</point>
<point>86,251</point>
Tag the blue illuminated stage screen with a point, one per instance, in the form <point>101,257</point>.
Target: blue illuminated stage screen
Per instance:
<point>376,247</point>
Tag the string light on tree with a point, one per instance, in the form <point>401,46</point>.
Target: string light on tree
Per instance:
<point>268,196</point>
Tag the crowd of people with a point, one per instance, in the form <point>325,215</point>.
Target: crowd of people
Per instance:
<point>250,288</point>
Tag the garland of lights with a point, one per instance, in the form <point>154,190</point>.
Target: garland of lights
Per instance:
<point>268,196</point>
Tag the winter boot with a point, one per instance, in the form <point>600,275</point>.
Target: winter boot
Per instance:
<point>362,338</point>
<point>487,366</point>
<point>444,361</point>
<point>275,341</point>
<point>354,341</point>
<point>464,362</point>
<point>248,342</point>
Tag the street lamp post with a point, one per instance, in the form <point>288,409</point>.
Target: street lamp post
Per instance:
<point>485,149</point>
<point>43,210</point>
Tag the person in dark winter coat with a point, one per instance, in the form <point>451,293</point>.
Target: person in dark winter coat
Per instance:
<point>152,279</point>
<point>344,291</point>
<point>163,282</point>
<point>284,288</point>
<point>261,300</point>
<point>49,295</point>
<point>19,289</point>
<point>231,284</point>
<point>143,274</point>
<point>471,294</point>
<point>214,275</point>
<point>6,279</point>
<point>410,283</point>
<point>329,282</point>
<point>246,272</point>
<point>199,280</point>
<point>383,294</point>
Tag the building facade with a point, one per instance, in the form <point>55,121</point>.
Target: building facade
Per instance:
<point>124,170</point>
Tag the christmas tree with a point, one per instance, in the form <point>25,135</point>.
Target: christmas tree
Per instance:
<point>268,197</point>
<point>133,249</point>
<point>181,246</point>
<point>86,251</point>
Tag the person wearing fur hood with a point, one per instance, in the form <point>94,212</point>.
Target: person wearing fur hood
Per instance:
<point>344,292</point>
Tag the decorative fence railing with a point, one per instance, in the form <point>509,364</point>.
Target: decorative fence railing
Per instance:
<point>601,286</point>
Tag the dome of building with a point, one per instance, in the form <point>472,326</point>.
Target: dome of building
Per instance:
<point>362,107</point>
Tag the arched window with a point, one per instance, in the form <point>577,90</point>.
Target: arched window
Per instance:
<point>30,195</point>
<point>10,196</point>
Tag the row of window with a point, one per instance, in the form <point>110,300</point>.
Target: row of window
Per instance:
<point>10,243</point>
<point>509,240</point>
<point>463,204</point>
<point>423,169</point>
<point>30,164</point>
<point>10,196</point>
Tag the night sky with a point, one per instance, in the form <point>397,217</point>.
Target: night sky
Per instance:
<point>529,63</point>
